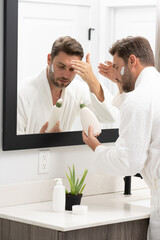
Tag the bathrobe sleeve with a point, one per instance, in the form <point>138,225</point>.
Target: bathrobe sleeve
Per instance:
<point>21,116</point>
<point>105,111</point>
<point>129,154</point>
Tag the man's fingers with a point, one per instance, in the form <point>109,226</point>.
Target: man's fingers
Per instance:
<point>44,127</point>
<point>97,135</point>
<point>77,63</point>
<point>103,74</point>
<point>83,134</point>
<point>84,137</point>
<point>90,131</point>
<point>109,63</point>
<point>103,67</point>
<point>88,58</point>
<point>56,127</point>
<point>78,69</point>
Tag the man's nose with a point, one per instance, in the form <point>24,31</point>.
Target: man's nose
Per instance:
<point>67,73</point>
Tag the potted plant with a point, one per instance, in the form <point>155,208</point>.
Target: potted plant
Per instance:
<point>76,187</point>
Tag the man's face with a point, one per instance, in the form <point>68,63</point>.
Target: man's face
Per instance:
<point>124,75</point>
<point>60,71</point>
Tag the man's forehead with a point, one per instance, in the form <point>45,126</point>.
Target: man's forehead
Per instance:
<point>117,60</point>
<point>65,59</point>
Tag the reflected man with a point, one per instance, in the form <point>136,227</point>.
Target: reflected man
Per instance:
<point>37,96</point>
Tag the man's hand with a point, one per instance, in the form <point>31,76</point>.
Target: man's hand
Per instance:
<point>84,70</point>
<point>53,130</point>
<point>109,72</point>
<point>90,140</point>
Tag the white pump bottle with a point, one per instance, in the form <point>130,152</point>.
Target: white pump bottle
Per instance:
<point>88,118</point>
<point>59,196</point>
<point>55,115</point>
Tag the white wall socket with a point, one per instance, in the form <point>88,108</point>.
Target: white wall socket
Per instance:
<point>43,161</point>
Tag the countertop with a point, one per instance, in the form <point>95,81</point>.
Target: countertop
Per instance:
<point>102,210</point>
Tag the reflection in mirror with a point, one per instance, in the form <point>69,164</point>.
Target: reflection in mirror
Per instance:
<point>33,25</point>
<point>32,60</point>
<point>46,73</point>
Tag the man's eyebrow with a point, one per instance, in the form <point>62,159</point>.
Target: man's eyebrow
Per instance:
<point>60,63</point>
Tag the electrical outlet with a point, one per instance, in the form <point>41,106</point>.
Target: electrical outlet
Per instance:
<point>43,163</point>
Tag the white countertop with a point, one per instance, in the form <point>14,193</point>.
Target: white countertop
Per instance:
<point>102,210</point>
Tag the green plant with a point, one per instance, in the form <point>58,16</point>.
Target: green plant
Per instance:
<point>76,186</point>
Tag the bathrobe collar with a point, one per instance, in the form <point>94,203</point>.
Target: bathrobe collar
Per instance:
<point>143,76</point>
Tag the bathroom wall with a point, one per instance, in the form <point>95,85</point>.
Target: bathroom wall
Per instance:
<point>19,179</point>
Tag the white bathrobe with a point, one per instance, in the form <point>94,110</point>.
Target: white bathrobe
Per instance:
<point>137,150</point>
<point>35,104</point>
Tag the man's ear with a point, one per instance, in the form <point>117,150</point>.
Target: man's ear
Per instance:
<point>132,60</point>
<point>49,59</point>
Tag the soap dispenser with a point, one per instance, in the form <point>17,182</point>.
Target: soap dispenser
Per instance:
<point>58,196</point>
<point>88,118</point>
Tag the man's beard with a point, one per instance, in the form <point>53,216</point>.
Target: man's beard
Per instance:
<point>55,82</point>
<point>127,81</point>
<point>60,85</point>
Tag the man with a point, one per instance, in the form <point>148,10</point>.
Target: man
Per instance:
<point>137,150</point>
<point>37,97</point>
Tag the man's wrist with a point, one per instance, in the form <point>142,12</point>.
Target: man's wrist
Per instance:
<point>96,88</point>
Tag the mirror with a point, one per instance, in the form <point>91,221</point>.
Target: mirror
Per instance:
<point>12,60</point>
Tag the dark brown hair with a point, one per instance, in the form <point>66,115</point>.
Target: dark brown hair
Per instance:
<point>68,45</point>
<point>138,46</point>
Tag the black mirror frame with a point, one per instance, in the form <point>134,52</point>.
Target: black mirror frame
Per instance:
<point>12,141</point>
